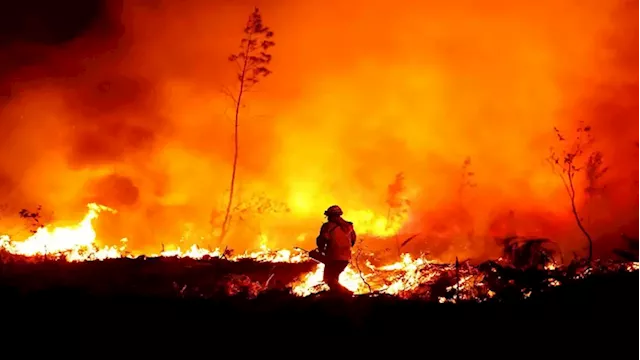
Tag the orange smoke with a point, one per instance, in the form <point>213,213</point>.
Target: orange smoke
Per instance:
<point>133,115</point>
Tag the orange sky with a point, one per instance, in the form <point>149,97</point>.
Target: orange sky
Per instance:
<point>359,92</point>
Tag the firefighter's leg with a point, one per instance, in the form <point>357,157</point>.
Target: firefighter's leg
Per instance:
<point>330,276</point>
<point>332,271</point>
<point>340,266</point>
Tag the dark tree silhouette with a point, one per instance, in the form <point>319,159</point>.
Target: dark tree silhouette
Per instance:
<point>631,251</point>
<point>567,164</point>
<point>594,172</point>
<point>252,61</point>
<point>33,217</point>
<point>528,253</point>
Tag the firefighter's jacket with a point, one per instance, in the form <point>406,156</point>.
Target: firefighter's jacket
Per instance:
<point>336,239</point>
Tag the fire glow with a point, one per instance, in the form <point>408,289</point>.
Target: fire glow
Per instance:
<point>441,119</point>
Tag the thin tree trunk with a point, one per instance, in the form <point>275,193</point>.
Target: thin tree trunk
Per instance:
<point>572,195</point>
<point>227,214</point>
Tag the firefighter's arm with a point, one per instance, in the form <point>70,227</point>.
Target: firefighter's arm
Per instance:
<point>322,239</point>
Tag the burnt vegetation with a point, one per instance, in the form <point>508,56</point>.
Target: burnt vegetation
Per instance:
<point>526,270</point>
<point>630,253</point>
<point>525,253</point>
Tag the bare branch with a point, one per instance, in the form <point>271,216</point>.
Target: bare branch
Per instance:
<point>227,92</point>
<point>357,263</point>
<point>566,166</point>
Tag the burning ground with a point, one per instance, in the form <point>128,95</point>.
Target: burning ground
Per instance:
<point>72,259</point>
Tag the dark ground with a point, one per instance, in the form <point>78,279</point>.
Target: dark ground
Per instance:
<point>592,318</point>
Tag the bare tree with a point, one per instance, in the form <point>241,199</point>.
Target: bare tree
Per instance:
<point>251,61</point>
<point>567,164</point>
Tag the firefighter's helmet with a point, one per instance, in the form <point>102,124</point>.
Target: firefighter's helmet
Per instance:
<point>333,210</point>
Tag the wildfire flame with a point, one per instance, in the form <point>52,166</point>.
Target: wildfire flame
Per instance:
<point>78,243</point>
<point>440,123</point>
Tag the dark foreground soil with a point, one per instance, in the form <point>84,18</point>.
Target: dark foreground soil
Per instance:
<point>592,318</point>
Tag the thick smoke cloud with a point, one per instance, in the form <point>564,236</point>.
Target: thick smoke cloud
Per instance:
<point>125,105</point>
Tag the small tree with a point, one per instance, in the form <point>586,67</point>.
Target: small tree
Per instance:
<point>34,218</point>
<point>34,222</point>
<point>251,62</point>
<point>567,164</point>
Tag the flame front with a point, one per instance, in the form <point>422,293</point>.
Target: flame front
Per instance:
<point>403,278</point>
<point>78,243</point>
<point>392,279</point>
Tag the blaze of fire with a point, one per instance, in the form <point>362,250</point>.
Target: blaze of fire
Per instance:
<point>78,243</point>
<point>485,83</point>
